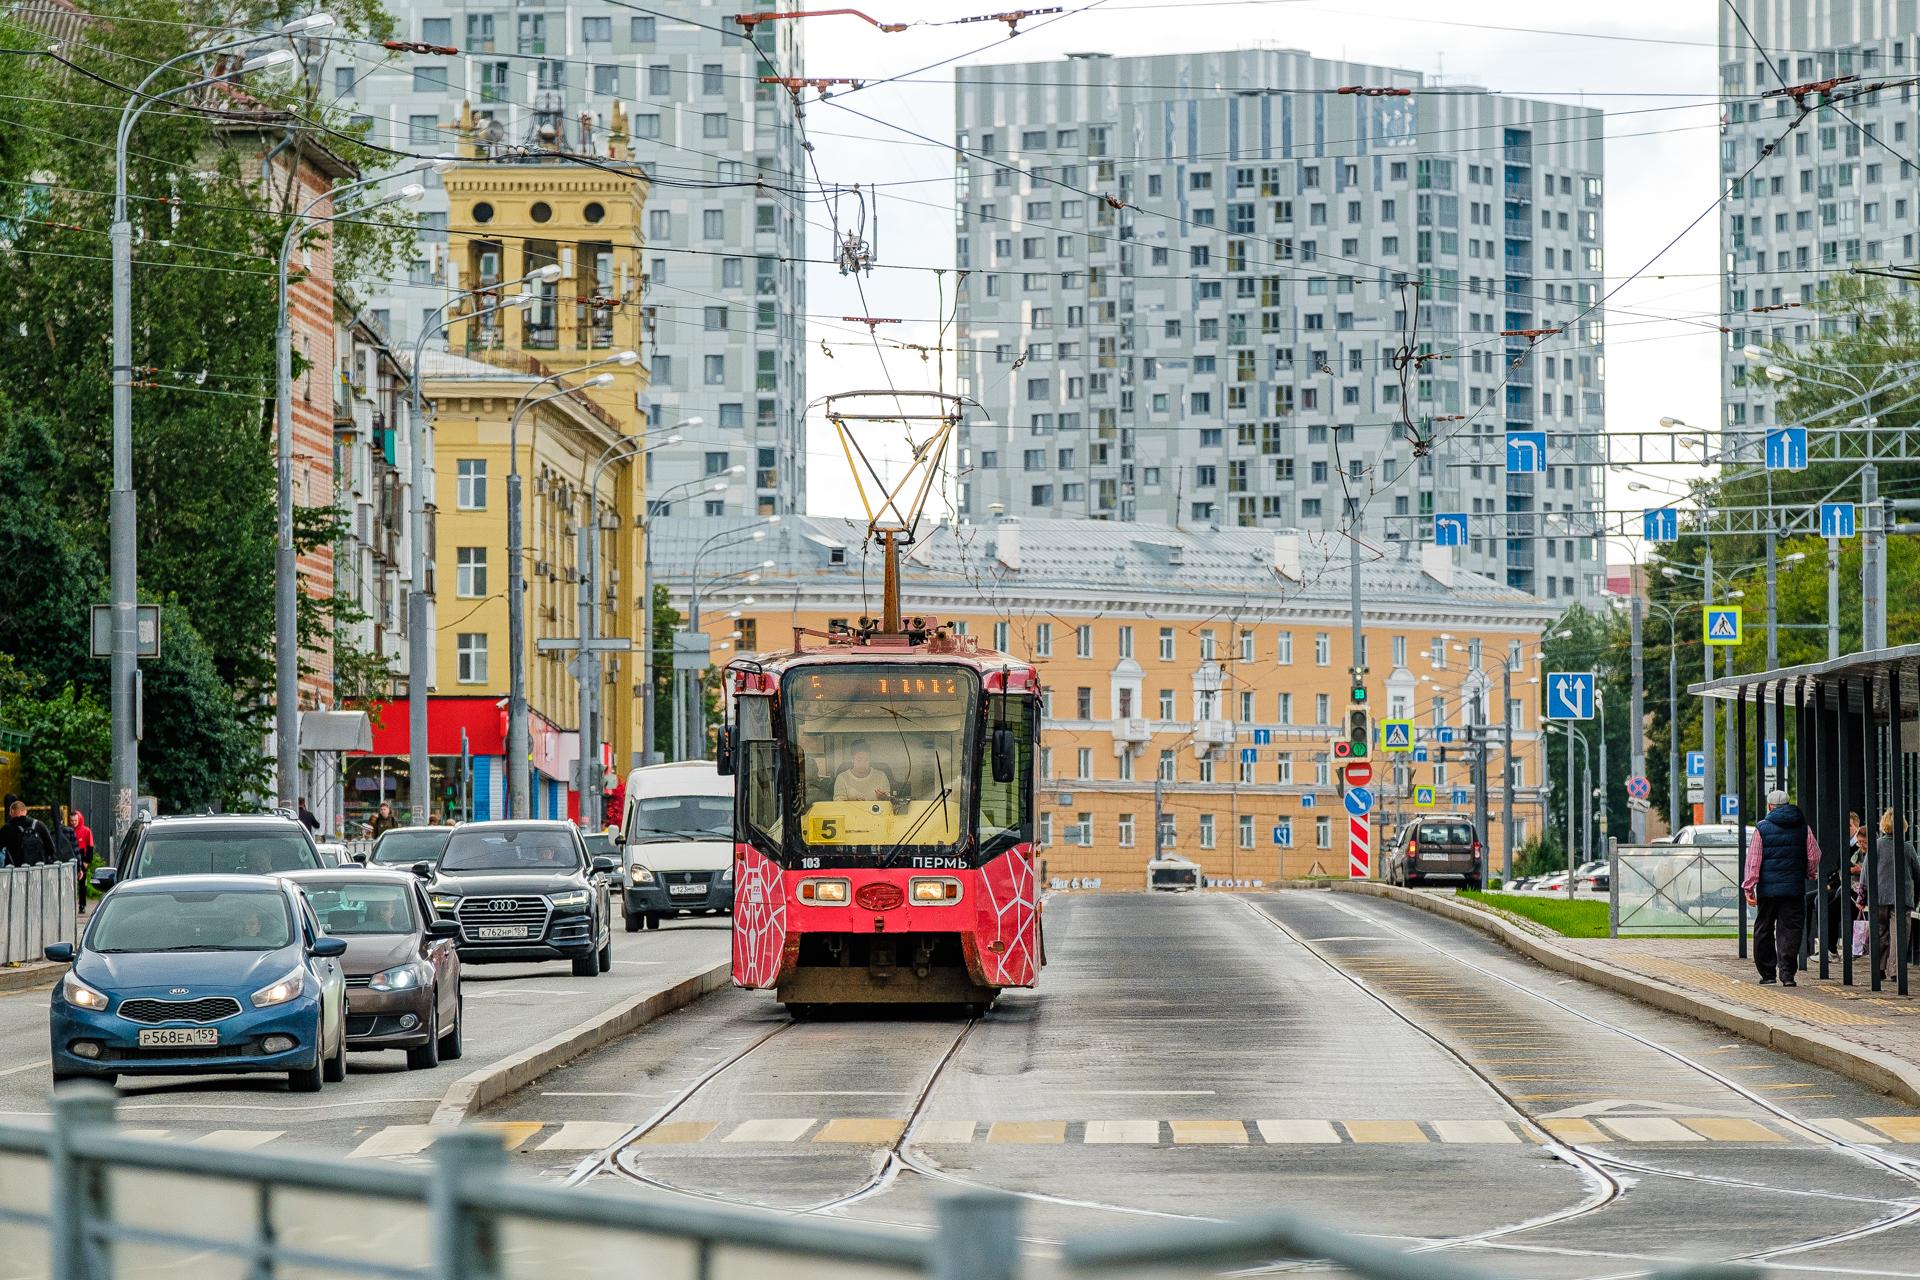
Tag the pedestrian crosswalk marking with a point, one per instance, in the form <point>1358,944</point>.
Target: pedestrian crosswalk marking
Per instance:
<point>1208,1131</point>
<point>1847,1131</point>
<point>238,1139</point>
<point>513,1133</point>
<point>878,1133</point>
<point>1384,1131</point>
<point>769,1131</point>
<point>1139,1132</point>
<point>1032,1132</point>
<point>1575,1130</point>
<point>1898,1128</point>
<point>1285,1131</point>
<point>1650,1129</point>
<point>1486,1131</point>
<point>678,1131</point>
<point>585,1135</point>
<point>395,1140</point>
<point>944,1131</point>
<point>1726,1129</point>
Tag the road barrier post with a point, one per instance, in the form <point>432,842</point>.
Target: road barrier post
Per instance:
<point>978,1238</point>
<point>76,1188</point>
<point>466,1239</point>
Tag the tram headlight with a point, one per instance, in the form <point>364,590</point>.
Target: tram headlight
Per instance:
<point>933,891</point>
<point>824,893</point>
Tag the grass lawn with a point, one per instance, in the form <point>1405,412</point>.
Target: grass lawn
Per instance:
<point>1579,918</point>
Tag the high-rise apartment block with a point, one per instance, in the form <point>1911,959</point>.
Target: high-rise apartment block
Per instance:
<point>1197,279</point>
<point>1833,195</point>
<point>724,235</point>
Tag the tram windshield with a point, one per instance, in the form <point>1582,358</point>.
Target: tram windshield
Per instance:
<point>881,757</point>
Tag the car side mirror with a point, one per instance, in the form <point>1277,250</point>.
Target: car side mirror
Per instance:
<point>619,838</point>
<point>443,928</point>
<point>59,952</point>
<point>1004,755</point>
<point>602,865</point>
<point>360,858</point>
<point>328,947</point>
<point>105,877</point>
<point>423,869</point>
<point>723,752</point>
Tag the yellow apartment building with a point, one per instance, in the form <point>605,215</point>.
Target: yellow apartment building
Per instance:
<point>1209,665</point>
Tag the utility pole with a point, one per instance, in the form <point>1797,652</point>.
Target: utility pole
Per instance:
<point>1506,771</point>
<point>1637,713</point>
<point>1872,601</point>
<point>1600,718</point>
<point>1833,598</point>
<point>1482,736</point>
<point>1709,806</point>
<point>1159,785</point>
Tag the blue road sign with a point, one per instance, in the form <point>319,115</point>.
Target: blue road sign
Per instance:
<point>1729,806</point>
<point>1570,695</point>
<point>1420,754</point>
<point>1262,737</point>
<point>1660,524</point>
<point>1527,452</point>
<point>1787,449</point>
<point>1396,735</point>
<point>1450,529</point>
<point>1696,764</point>
<point>1306,802</point>
<point>1460,797</point>
<point>1359,801</point>
<point>1423,797</point>
<point>1836,519</point>
<point>1445,735</point>
<point>1770,754</point>
<point>1722,626</point>
<point>1248,755</point>
<point>1283,833</point>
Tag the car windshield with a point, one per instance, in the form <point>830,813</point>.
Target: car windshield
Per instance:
<point>682,818</point>
<point>408,845</point>
<point>1720,839</point>
<point>203,852</point>
<point>1444,833</point>
<point>553,852</point>
<point>191,920</point>
<point>349,909</point>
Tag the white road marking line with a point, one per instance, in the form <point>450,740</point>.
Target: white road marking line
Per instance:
<point>1137,1132</point>
<point>1848,1131</point>
<point>1147,1093</point>
<point>554,1093</point>
<point>771,1130</point>
<point>201,1106</point>
<point>238,1139</point>
<point>831,1093</point>
<point>43,1065</point>
<point>585,1135</point>
<point>944,1131</point>
<point>1479,1131</point>
<point>1285,1131</point>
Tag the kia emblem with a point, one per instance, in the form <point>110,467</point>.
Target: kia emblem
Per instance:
<point>176,991</point>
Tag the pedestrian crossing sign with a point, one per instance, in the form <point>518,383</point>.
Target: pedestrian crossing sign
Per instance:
<point>1396,735</point>
<point>1722,625</point>
<point>1423,797</point>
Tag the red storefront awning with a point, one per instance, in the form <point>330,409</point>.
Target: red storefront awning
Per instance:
<point>484,719</point>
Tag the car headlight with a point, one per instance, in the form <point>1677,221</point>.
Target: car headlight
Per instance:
<point>445,901</point>
<point>402,977</point>
<point>280,992</point>
<point>573,899</point>
<point>726,877</point>
<point>80,995</point>
<point>640,874</point>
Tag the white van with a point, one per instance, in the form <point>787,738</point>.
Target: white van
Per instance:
<point>678,832</point>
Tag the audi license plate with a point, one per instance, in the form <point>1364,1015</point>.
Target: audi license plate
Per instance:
<point>175,1037</point>
<point>686,890</point>
<point>489,931</point>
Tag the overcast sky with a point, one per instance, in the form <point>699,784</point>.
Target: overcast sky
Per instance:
<point>1650,64</point>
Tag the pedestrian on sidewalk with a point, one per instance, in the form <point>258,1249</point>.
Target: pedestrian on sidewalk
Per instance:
<point>25,839</point>
<point>1781,857</point>
<point>307,819</point>
<point>384,821</point>
<point>1886,850</point>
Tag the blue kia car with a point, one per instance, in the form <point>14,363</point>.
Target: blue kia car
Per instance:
<point>189,975</point>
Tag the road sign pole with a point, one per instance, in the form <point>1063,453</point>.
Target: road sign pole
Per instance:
<point>1506,772</point>
<point>1872,602</point>
<point>1833,598</point>
<point>1706,709</point>
<point>1636,736</point>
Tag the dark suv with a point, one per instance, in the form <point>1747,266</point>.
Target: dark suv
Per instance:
<point>212,844</point>
<point>1442,844</point>
<point>526,891</point>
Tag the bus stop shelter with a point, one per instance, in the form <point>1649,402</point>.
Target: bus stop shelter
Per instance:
<point>1847,733</point>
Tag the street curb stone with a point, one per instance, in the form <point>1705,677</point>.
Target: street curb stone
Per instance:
<point>1879,1071</point>
<point>38,976</point>
<point>471,1092</point>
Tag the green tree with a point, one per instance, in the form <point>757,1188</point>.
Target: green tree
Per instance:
<point>1598,643</point>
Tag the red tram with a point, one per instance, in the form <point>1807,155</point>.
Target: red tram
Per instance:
<point>883,847</point>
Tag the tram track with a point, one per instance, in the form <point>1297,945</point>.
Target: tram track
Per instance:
<point>1906,1211</point>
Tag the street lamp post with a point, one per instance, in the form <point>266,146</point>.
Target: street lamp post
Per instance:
<point>519,774</point>
<point>286,570</point>
<point>692,721</point>
<point>123,557</point>
<point>1574,735</point>
<point>419,653</point>
<point>649,713</point>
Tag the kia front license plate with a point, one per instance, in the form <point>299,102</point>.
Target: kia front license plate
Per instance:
<point>175,1037</point>
<point>487,932</point>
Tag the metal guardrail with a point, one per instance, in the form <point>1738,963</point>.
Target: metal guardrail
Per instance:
<point>1674,889</point>
<point>38,905</point>
<point>84,1201</point>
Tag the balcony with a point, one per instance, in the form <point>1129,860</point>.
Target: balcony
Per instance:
<point>1132,729</point>
<point>1208,734</point>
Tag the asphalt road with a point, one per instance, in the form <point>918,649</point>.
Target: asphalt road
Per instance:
<point>382,1108</point>
<point>1202,1056</point>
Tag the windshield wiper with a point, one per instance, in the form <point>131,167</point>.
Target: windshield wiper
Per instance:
<point>679,834</point>
<point>939,802</point>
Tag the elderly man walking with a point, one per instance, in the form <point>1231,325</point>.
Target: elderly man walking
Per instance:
<point>1781,857</point>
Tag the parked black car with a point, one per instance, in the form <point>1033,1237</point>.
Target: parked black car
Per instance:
<point>1437,845</point>
<point>213,844</point>
<point>526,891</point>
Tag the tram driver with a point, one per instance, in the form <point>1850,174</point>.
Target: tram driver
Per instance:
<point>861,780</point>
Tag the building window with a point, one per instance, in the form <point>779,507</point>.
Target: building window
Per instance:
<point>606,81</point>
<point>713,224</point>
<point>1166,704</point>
<point>1283,652</point>
<point>1043,640</point>
<point>470,576</point>
<point>1000,637</point>
<point>1246,646</point>
<point>596,30</point>
<point>430,80</point>
<point>1084,763</point>
<point>1083,703</point>
<point>640,30</point>
<point>1322,649</point>
<point>1046,829</point>
<point>1206,831</point>
<point>1083,642</point>
<point>1286,708</point>
<point>659,80</point>
<point>1083,829</point>
<point>1283,769</point>
<point>713,124</point>
<point>716,371</point>
<point>713,80</point>
<point>423,130</point>
<point>1399,651</point>
<point>470,489</point>
<point>1166,644</point>
<point>1323,833</point>
<point>1322,709</point>
<point>1125,829</point>
<point>470,648</point>
<point>1165,773</point>
<point>1206,768</point>
<point>1207,653</point>
<point>1246,831</point>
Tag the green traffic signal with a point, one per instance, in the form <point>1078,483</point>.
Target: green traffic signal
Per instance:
<point>1358,693</point>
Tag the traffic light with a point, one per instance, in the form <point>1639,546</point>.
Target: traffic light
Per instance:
<point>1357,733</point>
<point>1357,695</point>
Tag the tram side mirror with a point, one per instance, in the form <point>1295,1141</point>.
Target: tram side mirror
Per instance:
<point>1003,755</point>
<point>723,752</point>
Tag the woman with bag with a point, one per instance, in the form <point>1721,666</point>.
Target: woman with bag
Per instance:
<point>1886,849</point>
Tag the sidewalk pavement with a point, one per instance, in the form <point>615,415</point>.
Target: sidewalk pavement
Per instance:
<point>31,975</point>
<point>1882,1020</point>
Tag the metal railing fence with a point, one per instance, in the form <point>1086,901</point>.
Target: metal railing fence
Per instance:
<point>1674,889</point>
<point>38,905</point>
<point>80,1200</point>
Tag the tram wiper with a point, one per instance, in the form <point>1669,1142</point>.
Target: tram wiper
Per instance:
<point>939,802</point>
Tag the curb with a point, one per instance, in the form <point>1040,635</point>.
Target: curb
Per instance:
<point>38,976</point>
<point>1879,1071</point>
<point>470,1093</point>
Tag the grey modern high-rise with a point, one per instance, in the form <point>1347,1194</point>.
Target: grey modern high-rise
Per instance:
<point>1192,273</point>
<point>725,289</point>
<point>1827,199</point>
